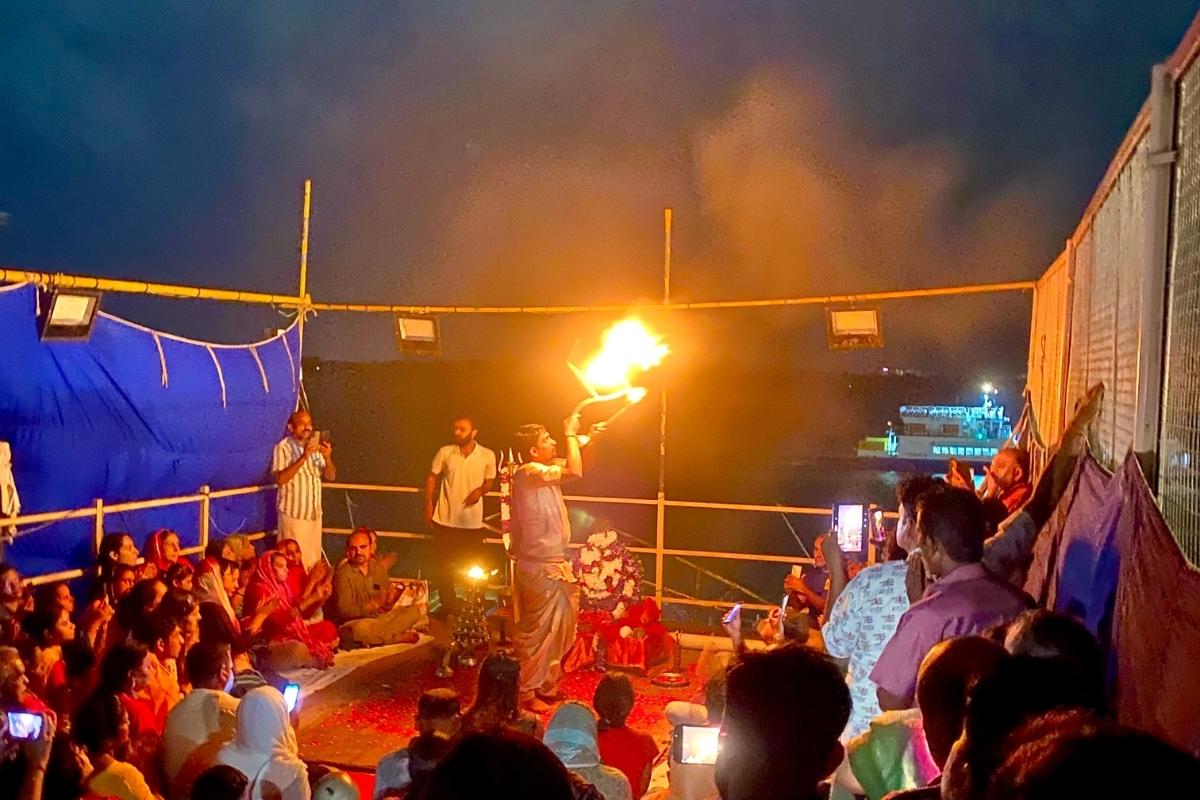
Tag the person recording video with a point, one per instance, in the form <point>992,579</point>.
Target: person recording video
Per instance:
<point>300,461</point>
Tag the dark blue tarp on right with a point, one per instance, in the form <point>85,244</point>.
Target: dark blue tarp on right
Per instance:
<point>133,414</point>
<point>1108,558</point>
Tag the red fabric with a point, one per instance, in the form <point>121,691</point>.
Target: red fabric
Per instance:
<point>285,624</point>
<point>1156,625</point>
<point>1016,496</point>
<point>631,752</point>
<point>31,702</point>
<point>1107,558</point>
<point>153,552</point>
<point>297,578</point>
<point>648,644</point>
<point>142,718</point>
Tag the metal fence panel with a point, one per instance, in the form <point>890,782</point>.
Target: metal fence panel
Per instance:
<point>1120,234</point>
<point>1106,306</point>
<point>1179,448</point>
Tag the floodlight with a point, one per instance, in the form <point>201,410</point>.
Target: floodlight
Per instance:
<point>416,334</point>
<point>854,328</point>
<point>69,315</point>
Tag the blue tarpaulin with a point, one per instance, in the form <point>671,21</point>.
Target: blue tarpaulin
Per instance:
<point>133,414</point>
<point>1108,558</point>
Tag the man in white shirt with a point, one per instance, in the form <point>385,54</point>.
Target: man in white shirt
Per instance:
<point>300,461</point>
<point>546,595</point>
<point>203,721</point>
<point>462,473</point>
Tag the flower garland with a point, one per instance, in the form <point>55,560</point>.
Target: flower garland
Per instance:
<point>610,576</point>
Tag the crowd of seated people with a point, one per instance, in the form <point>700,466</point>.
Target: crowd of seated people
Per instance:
<point>928,675</point>
<point>173,668</point>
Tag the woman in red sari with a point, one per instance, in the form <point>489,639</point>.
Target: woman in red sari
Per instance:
<point>312,587</point>
<point>269,581</point>
<point>162,550</point>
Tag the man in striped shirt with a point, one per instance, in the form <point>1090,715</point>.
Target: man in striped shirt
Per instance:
<point>299,463</point>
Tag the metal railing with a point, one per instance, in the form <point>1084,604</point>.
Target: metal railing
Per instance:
<point>98,512</point>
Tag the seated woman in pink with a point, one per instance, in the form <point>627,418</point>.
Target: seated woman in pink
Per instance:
<point>268,582</point>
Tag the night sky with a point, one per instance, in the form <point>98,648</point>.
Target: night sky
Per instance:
<point>503,152</point>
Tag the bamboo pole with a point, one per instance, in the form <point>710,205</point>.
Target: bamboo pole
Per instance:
<point>98,528</point>
<point>304,219</point>
<point>182,292</point>
<point>809,300</point>
<point>660,522</point>
<point>178,291</point>
<point>302,312</point>
<point>205,515</point>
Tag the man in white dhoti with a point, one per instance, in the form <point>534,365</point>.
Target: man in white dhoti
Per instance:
<point>547,597</point>
<point>299,462</point>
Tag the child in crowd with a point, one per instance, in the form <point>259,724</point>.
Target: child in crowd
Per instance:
<point>439,714</point>
<point>629,750</point>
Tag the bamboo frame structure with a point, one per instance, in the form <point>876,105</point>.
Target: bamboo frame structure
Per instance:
<point>304,303</point>
<point>182,292</point>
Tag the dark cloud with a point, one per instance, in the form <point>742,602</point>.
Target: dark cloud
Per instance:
<point>523,152</point>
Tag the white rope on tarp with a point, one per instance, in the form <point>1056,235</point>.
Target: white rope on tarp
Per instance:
<point>291,361</point>
<point>220,376</point>
<point>162,358</point>
<point>261,371</point>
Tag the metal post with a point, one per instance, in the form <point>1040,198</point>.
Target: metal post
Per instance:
<point>98,527</point>
<point>660,517</point>
<point>205,516</point>
<point>1161,159</point>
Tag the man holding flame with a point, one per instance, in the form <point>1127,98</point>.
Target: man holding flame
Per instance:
<point>547,598</point>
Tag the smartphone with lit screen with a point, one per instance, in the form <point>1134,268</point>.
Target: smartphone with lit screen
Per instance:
<point>850,524</point>
<point>24,725</point>
<point>291,696</point>
<point>695,744</point>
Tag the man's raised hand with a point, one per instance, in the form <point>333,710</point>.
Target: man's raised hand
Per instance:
<point>572,424</point>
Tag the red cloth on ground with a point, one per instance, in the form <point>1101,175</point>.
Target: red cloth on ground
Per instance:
<point>631,752</point>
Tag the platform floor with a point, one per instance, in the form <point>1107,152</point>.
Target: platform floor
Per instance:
<point>371,712</point>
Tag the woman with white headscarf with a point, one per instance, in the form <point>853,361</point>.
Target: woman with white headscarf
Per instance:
<point>571,735</point>
<point>264,748</point>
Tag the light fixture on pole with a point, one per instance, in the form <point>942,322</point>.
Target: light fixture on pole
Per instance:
<point>853,328</point>
<point>418,334</point>
<point>69,315</point>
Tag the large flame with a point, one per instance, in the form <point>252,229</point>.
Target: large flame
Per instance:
<point>626,346</point>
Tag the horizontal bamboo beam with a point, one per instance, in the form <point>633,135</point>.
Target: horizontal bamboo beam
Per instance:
<point>820,300</point>
<point>374,487</point>
<point>381,534</point>
<point>183,292</point>
<point>681,601</point>
<point>62,281</point>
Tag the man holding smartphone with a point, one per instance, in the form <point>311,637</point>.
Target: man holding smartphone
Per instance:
<point>300,461</point>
